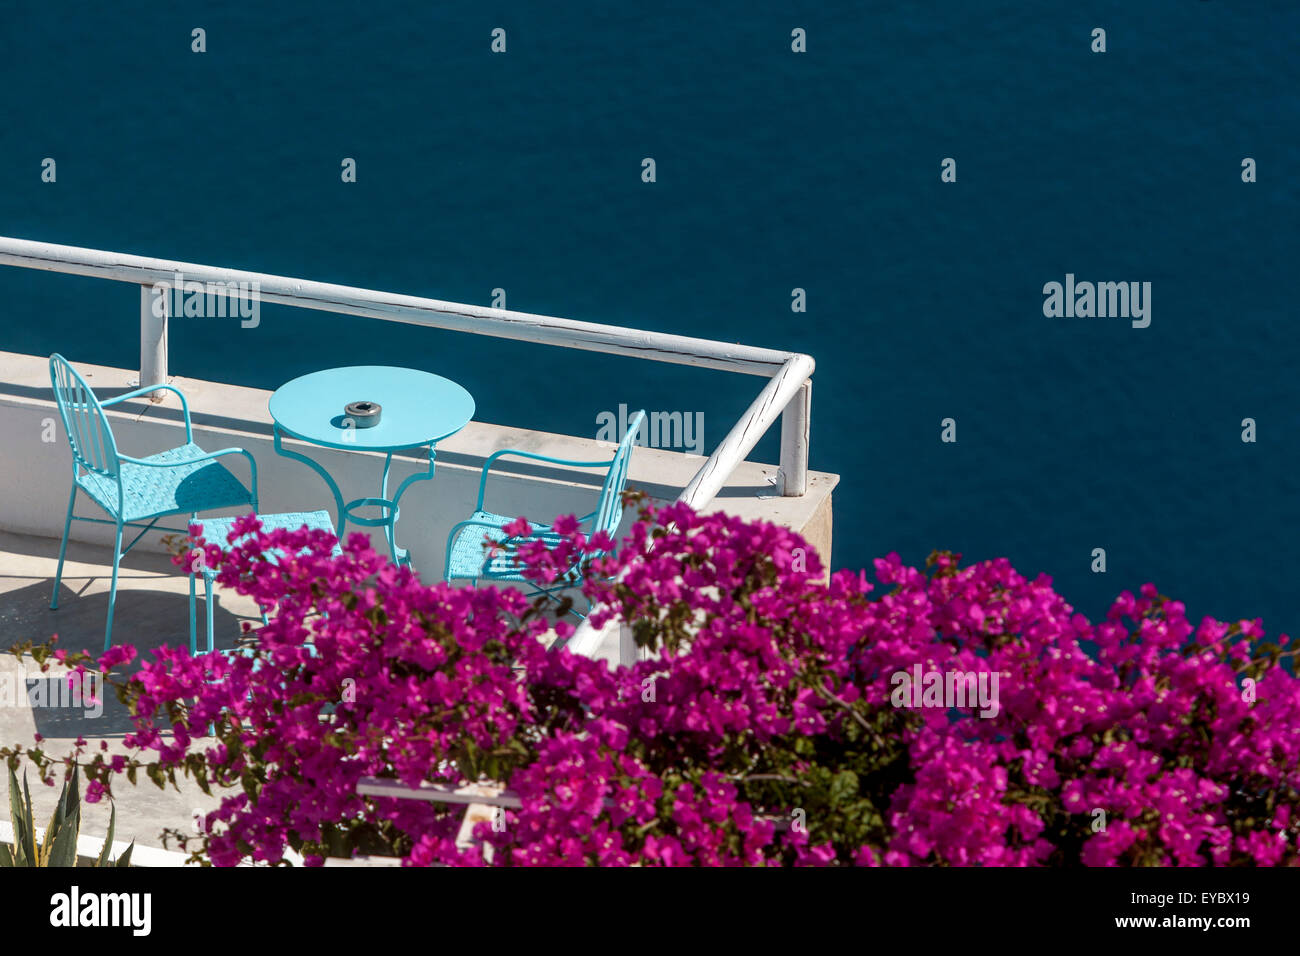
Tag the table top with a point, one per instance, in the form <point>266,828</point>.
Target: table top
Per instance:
<point>418,408</point>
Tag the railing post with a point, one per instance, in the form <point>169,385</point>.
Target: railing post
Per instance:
<point>795,421</point>
<point>153,337</point>
<point>628,652</point>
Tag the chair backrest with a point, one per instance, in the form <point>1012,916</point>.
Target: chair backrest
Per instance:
<point>84,421</point>
<point>609,509</point>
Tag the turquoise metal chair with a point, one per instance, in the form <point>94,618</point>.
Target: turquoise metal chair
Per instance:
<point>132,491</point>
<point>217,531</point>
<point>468,559</point>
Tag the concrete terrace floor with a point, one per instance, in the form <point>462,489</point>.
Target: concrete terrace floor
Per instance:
<point>152,610</point>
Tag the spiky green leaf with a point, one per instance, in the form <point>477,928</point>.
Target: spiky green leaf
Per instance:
<point>63,851</point>
<point>108,840</point>
<point>29,827</point>
<point>17,819</point>
<point>67,813</point>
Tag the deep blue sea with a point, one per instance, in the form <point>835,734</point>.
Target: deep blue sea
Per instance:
<point>775,170</point>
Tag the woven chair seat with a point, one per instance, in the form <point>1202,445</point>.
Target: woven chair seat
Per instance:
<point>180,487</point>
<point>467,555</point>
<point>217,530</point>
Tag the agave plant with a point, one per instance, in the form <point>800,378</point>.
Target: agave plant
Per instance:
<point>59,848</point>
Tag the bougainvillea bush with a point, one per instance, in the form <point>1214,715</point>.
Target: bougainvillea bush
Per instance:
<point>761,729</point>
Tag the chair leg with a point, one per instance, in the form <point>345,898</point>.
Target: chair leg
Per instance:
<point>252,482</point>
<point>112,588</point>
<point>207,604</point>
<point>194,617</point>
<point>194,626</point>
<point>63,548</point>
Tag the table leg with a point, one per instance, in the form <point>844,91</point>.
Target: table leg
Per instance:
<point>391,508</point>
<point>315,466</point>
<point>389,521</point>
<point>400,555</point>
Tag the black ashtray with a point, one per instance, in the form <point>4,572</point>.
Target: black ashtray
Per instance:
<point>363,414</point>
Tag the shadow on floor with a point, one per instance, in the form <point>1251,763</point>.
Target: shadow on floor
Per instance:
<point>146,618</point>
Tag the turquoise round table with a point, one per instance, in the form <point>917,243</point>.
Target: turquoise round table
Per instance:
<point>417,409</point>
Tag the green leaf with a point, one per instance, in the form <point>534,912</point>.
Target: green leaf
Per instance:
<point>66,813</point>
<point>74,794</point>
<point>108,840</point>
<point>63,852</point>
<point>29,827</point>
<point>16,817</point>
<point>6,856</point>
<point>125,858</point>
<point>844,787</point>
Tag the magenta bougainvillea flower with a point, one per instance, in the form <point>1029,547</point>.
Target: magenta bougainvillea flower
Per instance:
<point>763,729</point>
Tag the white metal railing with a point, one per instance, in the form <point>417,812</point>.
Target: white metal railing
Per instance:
<point>787,393</point>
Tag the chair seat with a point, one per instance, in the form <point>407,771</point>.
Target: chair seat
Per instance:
<point>467,555</point>
<point>182,487</point>
<point>217,530</point>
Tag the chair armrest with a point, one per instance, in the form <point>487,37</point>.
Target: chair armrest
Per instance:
<point>517,453</point>
<point>185,405</point>
<point>189,461</point>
